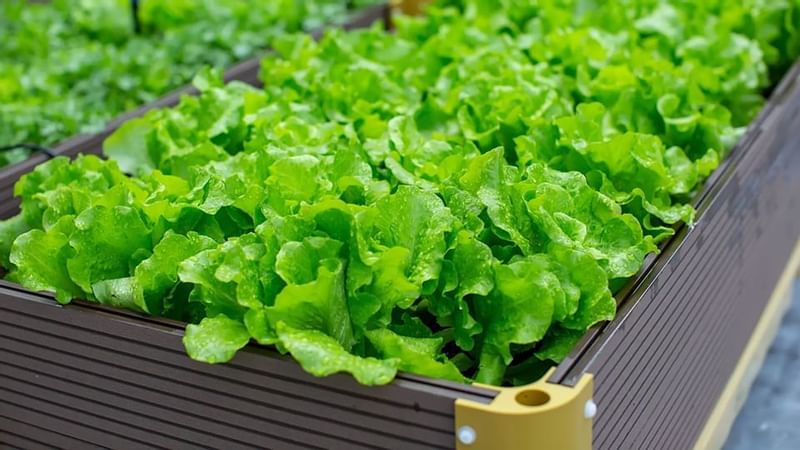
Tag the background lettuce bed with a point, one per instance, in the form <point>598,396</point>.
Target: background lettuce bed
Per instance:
<point>467,216</point>
<point>68,67</point>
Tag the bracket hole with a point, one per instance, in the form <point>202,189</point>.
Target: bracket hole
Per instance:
<point>533,397</point>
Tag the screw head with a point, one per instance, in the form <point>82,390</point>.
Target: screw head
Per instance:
<point>590,409</point>
<point>467,435</point>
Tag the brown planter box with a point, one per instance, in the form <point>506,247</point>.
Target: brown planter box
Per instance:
<point>84,376</point>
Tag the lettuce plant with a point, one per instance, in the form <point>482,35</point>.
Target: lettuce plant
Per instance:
<point>68,67</point>
<point>457,199</point>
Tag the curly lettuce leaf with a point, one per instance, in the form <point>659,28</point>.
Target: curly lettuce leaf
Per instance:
<point>322,355</point>
<point>215,340</point>
<point>40,260</point>
<point>467,218</point>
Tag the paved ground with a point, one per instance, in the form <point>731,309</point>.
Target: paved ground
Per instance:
<point>770,419</point>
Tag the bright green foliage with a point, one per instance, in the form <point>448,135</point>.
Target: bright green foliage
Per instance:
<point>41,260</point>
<point>417,355</point>
<point>215,339</point>
<point>321,355</point>
<point>14,156</point>
<point>454,200</point>
<point>69,66</point>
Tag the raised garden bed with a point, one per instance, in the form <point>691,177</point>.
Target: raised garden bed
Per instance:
<point>82,375</point>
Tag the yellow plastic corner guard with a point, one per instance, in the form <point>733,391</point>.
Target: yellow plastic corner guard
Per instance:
<point>539,416</point>
<point>410,7</point>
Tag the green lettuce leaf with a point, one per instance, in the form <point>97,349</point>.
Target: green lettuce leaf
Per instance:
<point>118,234</point>
<point>215,339</point>
<point>465,217</point>
<point>40,260</point>
<point>322,355</point>
<point>417,355</point>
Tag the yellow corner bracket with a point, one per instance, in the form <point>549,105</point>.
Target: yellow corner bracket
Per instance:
<point>410,7</point>
<point>539,416</point>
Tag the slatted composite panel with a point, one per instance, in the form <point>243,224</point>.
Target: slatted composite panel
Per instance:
<point>120,380</point>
